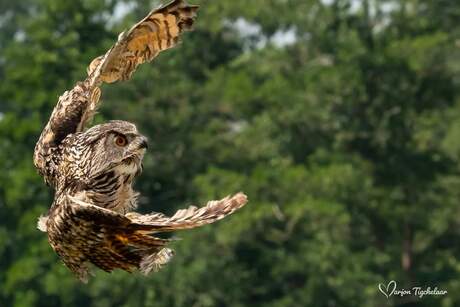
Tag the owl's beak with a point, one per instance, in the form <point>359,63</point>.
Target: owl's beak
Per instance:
<point>143,143</point>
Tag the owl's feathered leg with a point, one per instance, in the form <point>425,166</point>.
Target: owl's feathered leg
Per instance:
<point>154,262</point>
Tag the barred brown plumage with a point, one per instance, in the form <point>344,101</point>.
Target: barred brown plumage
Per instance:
<point>158,31</point>
<point>92,171</point>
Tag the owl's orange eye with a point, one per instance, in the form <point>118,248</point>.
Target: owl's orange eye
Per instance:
<point>121,141</point>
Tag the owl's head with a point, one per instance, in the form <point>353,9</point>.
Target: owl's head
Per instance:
<point>113,146</point>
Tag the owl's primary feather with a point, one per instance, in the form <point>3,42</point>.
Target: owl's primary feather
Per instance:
<point>92,171</point>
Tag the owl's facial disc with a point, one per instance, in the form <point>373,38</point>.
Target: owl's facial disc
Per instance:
<point>123,153</point>
<point>114,146</point>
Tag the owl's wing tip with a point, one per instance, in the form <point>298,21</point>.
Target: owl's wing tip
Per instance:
<point>241,198</point>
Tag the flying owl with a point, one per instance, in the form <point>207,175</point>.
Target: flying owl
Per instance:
<point>91,219</point>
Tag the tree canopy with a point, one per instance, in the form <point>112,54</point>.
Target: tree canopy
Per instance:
<point>338,118</point>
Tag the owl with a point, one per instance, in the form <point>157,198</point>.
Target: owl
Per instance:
<point>92,217</point>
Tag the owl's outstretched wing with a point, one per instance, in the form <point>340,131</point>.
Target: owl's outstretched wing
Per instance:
<point>80,232</point>
<point>192,216</point>
<point>158,31</point>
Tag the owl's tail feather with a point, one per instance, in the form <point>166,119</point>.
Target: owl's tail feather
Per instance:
<point>191,217</point>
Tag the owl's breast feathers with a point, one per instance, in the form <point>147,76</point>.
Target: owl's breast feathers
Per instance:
<point>112,190</point>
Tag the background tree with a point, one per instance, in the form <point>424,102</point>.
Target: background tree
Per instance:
<point>338,118</point>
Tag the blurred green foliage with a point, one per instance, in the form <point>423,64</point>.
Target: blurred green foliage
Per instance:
<point>346,139</point>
